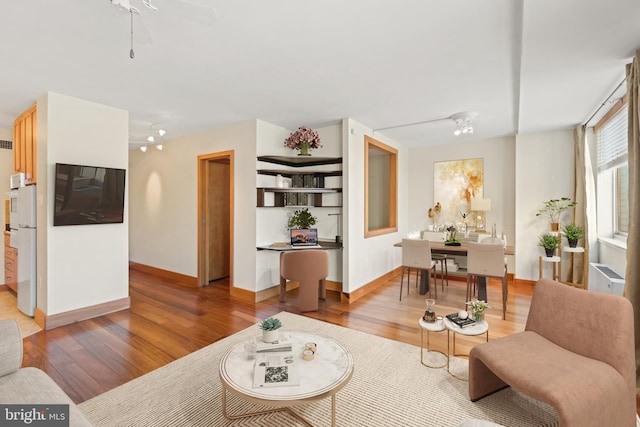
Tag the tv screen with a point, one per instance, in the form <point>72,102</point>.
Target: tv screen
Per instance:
<point>88,195</point>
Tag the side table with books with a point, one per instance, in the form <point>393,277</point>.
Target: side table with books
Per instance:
<point>462,327</point>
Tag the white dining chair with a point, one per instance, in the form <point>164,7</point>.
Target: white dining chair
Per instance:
<point>487,260</point>
<point>416,253</point>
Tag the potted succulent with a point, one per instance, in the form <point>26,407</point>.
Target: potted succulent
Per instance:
<point>549,242</point>
<point>573,233</point>
<point>553,208</point>
<point>302,219</point>
<point>270,328</point>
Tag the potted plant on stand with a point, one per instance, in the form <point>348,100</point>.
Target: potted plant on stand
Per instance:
<point>553,208</point>
<point>270,328</point>
<point>573,233</point>
<point>302,219</point>
<point>549,242</point>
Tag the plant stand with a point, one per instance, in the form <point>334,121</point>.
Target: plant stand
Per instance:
<point>555,261</point>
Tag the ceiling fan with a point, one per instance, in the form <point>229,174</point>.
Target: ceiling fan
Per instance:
<point>186,9</point>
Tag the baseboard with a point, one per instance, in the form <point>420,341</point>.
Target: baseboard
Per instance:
<point>369,287</point>
<point>55,320</point>
<point>165,274</point>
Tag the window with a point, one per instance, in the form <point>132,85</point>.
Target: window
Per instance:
<point>614,171</point>
<point>380,188</point>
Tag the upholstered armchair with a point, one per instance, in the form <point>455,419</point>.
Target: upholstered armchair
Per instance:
<point>576,353</point>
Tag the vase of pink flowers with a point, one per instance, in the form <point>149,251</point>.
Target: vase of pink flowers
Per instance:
<point>304,139</point>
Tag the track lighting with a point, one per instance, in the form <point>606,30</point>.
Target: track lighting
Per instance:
<point>464,123</point>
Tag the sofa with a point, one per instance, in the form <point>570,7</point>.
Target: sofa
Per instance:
<point>28,386</point>
<point>576,354</point>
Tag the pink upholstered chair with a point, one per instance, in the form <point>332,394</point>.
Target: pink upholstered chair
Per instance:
<point>577,353</point>
<point>310,267</point>
<point>416,253</point>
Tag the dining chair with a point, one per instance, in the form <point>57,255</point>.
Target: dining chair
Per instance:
<point>310,267</point>
<point>416,253</point>
<point>487,260</point>
<point>433,236</point>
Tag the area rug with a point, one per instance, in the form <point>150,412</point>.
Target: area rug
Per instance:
<point>9,310</point>
<point>389,387</point>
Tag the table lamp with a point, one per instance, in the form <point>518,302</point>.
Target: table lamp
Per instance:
<point>480,207</point>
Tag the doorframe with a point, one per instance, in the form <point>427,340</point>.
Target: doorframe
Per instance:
<point>203,194</point>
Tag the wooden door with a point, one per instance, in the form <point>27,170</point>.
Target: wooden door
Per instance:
<point>218,219</point>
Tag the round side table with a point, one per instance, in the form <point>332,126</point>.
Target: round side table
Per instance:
<point>437,326</point>
<point>476,329</point>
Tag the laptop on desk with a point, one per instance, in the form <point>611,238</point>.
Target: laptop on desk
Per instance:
<point>304,238</point>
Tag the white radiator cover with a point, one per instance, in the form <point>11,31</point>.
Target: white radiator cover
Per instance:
<point>603,278</point>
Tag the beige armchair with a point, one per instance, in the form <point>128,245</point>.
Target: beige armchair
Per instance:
<point>577,354</point>
<point>310,267</point>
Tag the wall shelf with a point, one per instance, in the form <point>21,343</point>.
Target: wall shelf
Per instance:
<point>300,161</point>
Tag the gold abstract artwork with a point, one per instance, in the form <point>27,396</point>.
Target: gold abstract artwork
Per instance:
<point>456,182</point>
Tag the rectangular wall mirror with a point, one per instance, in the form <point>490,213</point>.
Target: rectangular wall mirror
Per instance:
<point>380,188</point>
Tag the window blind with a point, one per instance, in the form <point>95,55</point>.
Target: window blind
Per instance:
<point>612,141</point>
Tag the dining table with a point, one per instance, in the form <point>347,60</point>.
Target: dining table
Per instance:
<point>459,250</point>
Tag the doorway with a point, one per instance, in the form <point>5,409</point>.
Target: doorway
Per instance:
<point>215,217</point>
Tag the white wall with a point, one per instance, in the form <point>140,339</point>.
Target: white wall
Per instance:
<point>544,170</point>
<point>367,259</point>
<point>6,170</point>
<point>499,184</point>
<point>163,201</point>
<point>84,265</point>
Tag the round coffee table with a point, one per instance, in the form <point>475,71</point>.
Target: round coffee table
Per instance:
<point>476,329</point>
<point>329,371</point>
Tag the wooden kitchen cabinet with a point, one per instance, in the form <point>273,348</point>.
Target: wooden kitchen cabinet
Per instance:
<point>10,264</point>
<point>25,144</point>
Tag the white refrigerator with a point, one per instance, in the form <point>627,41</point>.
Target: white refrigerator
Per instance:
<point>26,247</point>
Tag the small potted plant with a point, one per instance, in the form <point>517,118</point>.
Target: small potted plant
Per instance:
<point>553,208</point>
<point>478,308</point>
<point>573,233</point>
<point>549,242</point>
<point>451,237</point>
<point>302,219</point>
<point>270,328</point>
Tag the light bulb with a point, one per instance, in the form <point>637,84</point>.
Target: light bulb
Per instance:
<point>159,147</point>
<point>143,148</point>
<point>457,132</point>
<point>162,132</point>
<point>151,139</point>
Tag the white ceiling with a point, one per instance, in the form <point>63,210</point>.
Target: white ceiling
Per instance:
<point>523,66</point>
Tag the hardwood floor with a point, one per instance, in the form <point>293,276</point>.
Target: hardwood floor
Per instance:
<point>168,320</point>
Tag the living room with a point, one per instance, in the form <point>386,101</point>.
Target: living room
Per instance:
<point>526,116</point>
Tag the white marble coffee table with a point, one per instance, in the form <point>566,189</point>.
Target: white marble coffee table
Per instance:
<point>329,371</point>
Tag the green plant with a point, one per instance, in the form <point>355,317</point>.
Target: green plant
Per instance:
<point>478,307</point>
<point>573,231</point>
<point>451,235</point>
<point>554,207</point>
<point>548,241</point>
<point>302,219</point>
<point>270,324</point>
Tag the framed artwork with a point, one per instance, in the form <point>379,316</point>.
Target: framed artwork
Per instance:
<point>455,183</point>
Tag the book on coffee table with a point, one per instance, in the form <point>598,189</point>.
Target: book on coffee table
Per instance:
<point>460,322</point>
<point>275,370</point>
<point>283,344</point>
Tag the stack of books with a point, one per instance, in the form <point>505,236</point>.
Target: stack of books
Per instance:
<point>282,345</point>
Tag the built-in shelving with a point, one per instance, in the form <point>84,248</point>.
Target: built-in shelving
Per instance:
<point>308,186</point>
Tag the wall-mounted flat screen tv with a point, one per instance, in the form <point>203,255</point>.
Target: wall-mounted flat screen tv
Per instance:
<point>88,195</point>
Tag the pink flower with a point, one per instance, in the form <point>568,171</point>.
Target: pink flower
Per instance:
<point>303,134</point>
